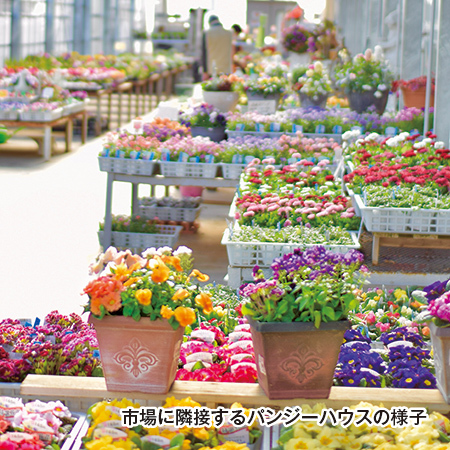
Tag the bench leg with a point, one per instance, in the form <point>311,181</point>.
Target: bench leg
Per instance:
<point>98,118</point>
<point>84,126</point>
<point>119,120</point>
<point>69,135</point>
<point>47,143</point>
<point>375,249</point>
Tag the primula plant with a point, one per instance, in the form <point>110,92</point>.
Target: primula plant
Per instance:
<point>203,115</point>
<point>314,285</point>
<point>158,284</point>
<point>223,83</point>
<point>365,72</point>
<point>265,86</point>
<point>315,82</point>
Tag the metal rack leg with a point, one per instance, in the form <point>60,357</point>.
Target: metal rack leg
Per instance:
<point>134,199</point>
<point>108,218</point>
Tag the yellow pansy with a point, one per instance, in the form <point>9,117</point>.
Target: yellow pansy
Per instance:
<point>99,444</point>
<point>201,433</point>
<point>302,444</point>
<point>172,401</point>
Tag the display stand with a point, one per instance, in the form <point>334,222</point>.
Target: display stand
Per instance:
<point>155,180</point>
<point>46,140</point>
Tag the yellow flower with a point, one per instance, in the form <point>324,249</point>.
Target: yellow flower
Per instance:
<point>181,294</point>
<point>185,316</point>
<point>172,402</point>
<point>122,272</point>
<point>99,444</point>
<point>201,433</point>
<point>166,312</point>
<point>204,300</point>
<point>302,444</point>
<point>131,281</point>
<point>160,272</point>
<point>330,437</point>
<point>399,294</point>
<point>144,296</point>
<point>200,276</point>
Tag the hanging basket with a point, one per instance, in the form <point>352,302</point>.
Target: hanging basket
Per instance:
<point>417,98</point>
<point>361,101</point>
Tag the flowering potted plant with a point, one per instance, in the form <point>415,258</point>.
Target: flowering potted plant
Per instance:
<point>437,314</point>
<point>298,319</point>
<point>205,120</point>
<point>414,91</point>
<point>139,306</point>
<point>265,88</point>
<point>366,79</point>
<point>314,86</point>
<point>221,92</point>
<point>295,40</point>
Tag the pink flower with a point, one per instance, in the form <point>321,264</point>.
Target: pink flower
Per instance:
<point>249,214</point>
<point>383,326</point>
<point>370,318</point>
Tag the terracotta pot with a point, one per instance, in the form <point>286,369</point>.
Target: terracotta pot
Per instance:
<point>361,101</point>
<point>223,101</point>
<point>138,356</point>
<point>307,102</point>
<point>416,98</point>
<point>216,134</point>
<point>295,359</point>
<point>440,339</point>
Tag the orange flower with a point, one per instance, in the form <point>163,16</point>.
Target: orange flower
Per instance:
<point>166,312</point>
<point>160,272</point>
<point>181,294</point>
<point>122,272</point>
<point>104,291</point>
<point>173,261</point>
<point>185,316</point>
<point>131,281</point>
<point>426,331</point>
<point>204,300</point>
<point>144,296</point>
<point>200,276</point>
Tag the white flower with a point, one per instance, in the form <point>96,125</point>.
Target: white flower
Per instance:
<point>378,53</point>
<point>372,303</point>
<point>318,66</point>
<point>427,141</point>
<point>165,249</point>
<point>372,137</point>
<point>213,116</point>
<point>419,144</point>
<point>149,252</point>
<point>391,142</point>
<point>182,250</point>
<point>382,87</point>
<point>378,94</point>
<point>366,87</point>
<point>439,145</point>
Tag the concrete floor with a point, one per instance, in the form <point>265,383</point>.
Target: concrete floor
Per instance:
<point>50,213</point>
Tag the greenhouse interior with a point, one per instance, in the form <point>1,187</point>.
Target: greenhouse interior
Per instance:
<point>190,184</point>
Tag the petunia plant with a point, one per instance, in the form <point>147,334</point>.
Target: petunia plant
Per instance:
<point>158,285</point>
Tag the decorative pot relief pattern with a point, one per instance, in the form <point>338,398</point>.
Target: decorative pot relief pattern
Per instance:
<point>302,364</point>
<point>135,358</point>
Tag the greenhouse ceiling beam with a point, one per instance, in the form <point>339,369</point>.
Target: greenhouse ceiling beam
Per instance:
<point>16,29</point>
<point>49,26</point>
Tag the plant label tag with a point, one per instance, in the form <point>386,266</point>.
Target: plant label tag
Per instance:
<point>161,441</point>
<point>391,131</point>
<point>16,436</point>
<point>117,435</point>
<point>297,128</point>
<point>240,126</point>
<point>165,154</point>
<point>292,160</point>
<point>259,127</point>
<point>248,159</point>
<point>199,356</point>
<point>320,129</point>
<point>204,335</point>
<point>236,159</point>
<point>360,129</point>
<point>239,335</point>
<point>145,155</point>
<point>274,126</point>
<point>337,129</point>
<point>262,106</point>
<point>209,159</point>
<point>231,433</point>
<point>47,92</point>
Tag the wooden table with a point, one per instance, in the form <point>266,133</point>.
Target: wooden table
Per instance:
<point>213,394</point>
<point>45,143</point>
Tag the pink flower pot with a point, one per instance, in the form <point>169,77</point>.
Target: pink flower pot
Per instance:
<point>191,191</point>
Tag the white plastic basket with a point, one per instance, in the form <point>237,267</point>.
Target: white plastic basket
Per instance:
<point>12,114</point>
<point>188,169</point>
<point>248,254</point>
<point>404,220</point>
<point>167,235</point>
<point>273,134</point>
<point>169,213</point>
<point>232,171</point>
<point>41,116</point>
<point>125,165</point>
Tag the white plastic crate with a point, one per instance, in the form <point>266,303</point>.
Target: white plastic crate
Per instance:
<point>248,254</point>
<point>167,235</point>
<point>188,169</point>
<point>232,171</point>
<point>404,220</point>
<point>41,116</point>
<point>125,165</point>
<point>274,134</point>
<point>12,114</point>
<point>169,213</point>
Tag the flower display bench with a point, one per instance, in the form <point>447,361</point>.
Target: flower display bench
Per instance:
<point>431,241</point>
<point>46,140</point>
<point>84,390</point>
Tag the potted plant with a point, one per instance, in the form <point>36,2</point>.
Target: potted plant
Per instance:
<point>298,319</point>
<point>220,92</point>
<point>435,300</point>
<point>205,120</point>
<point>314,86</point>
<point>366,80</point>
<point>139,306</point>
<point>295,41</point>
<point>265,88</point>
<point>414,91</point>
